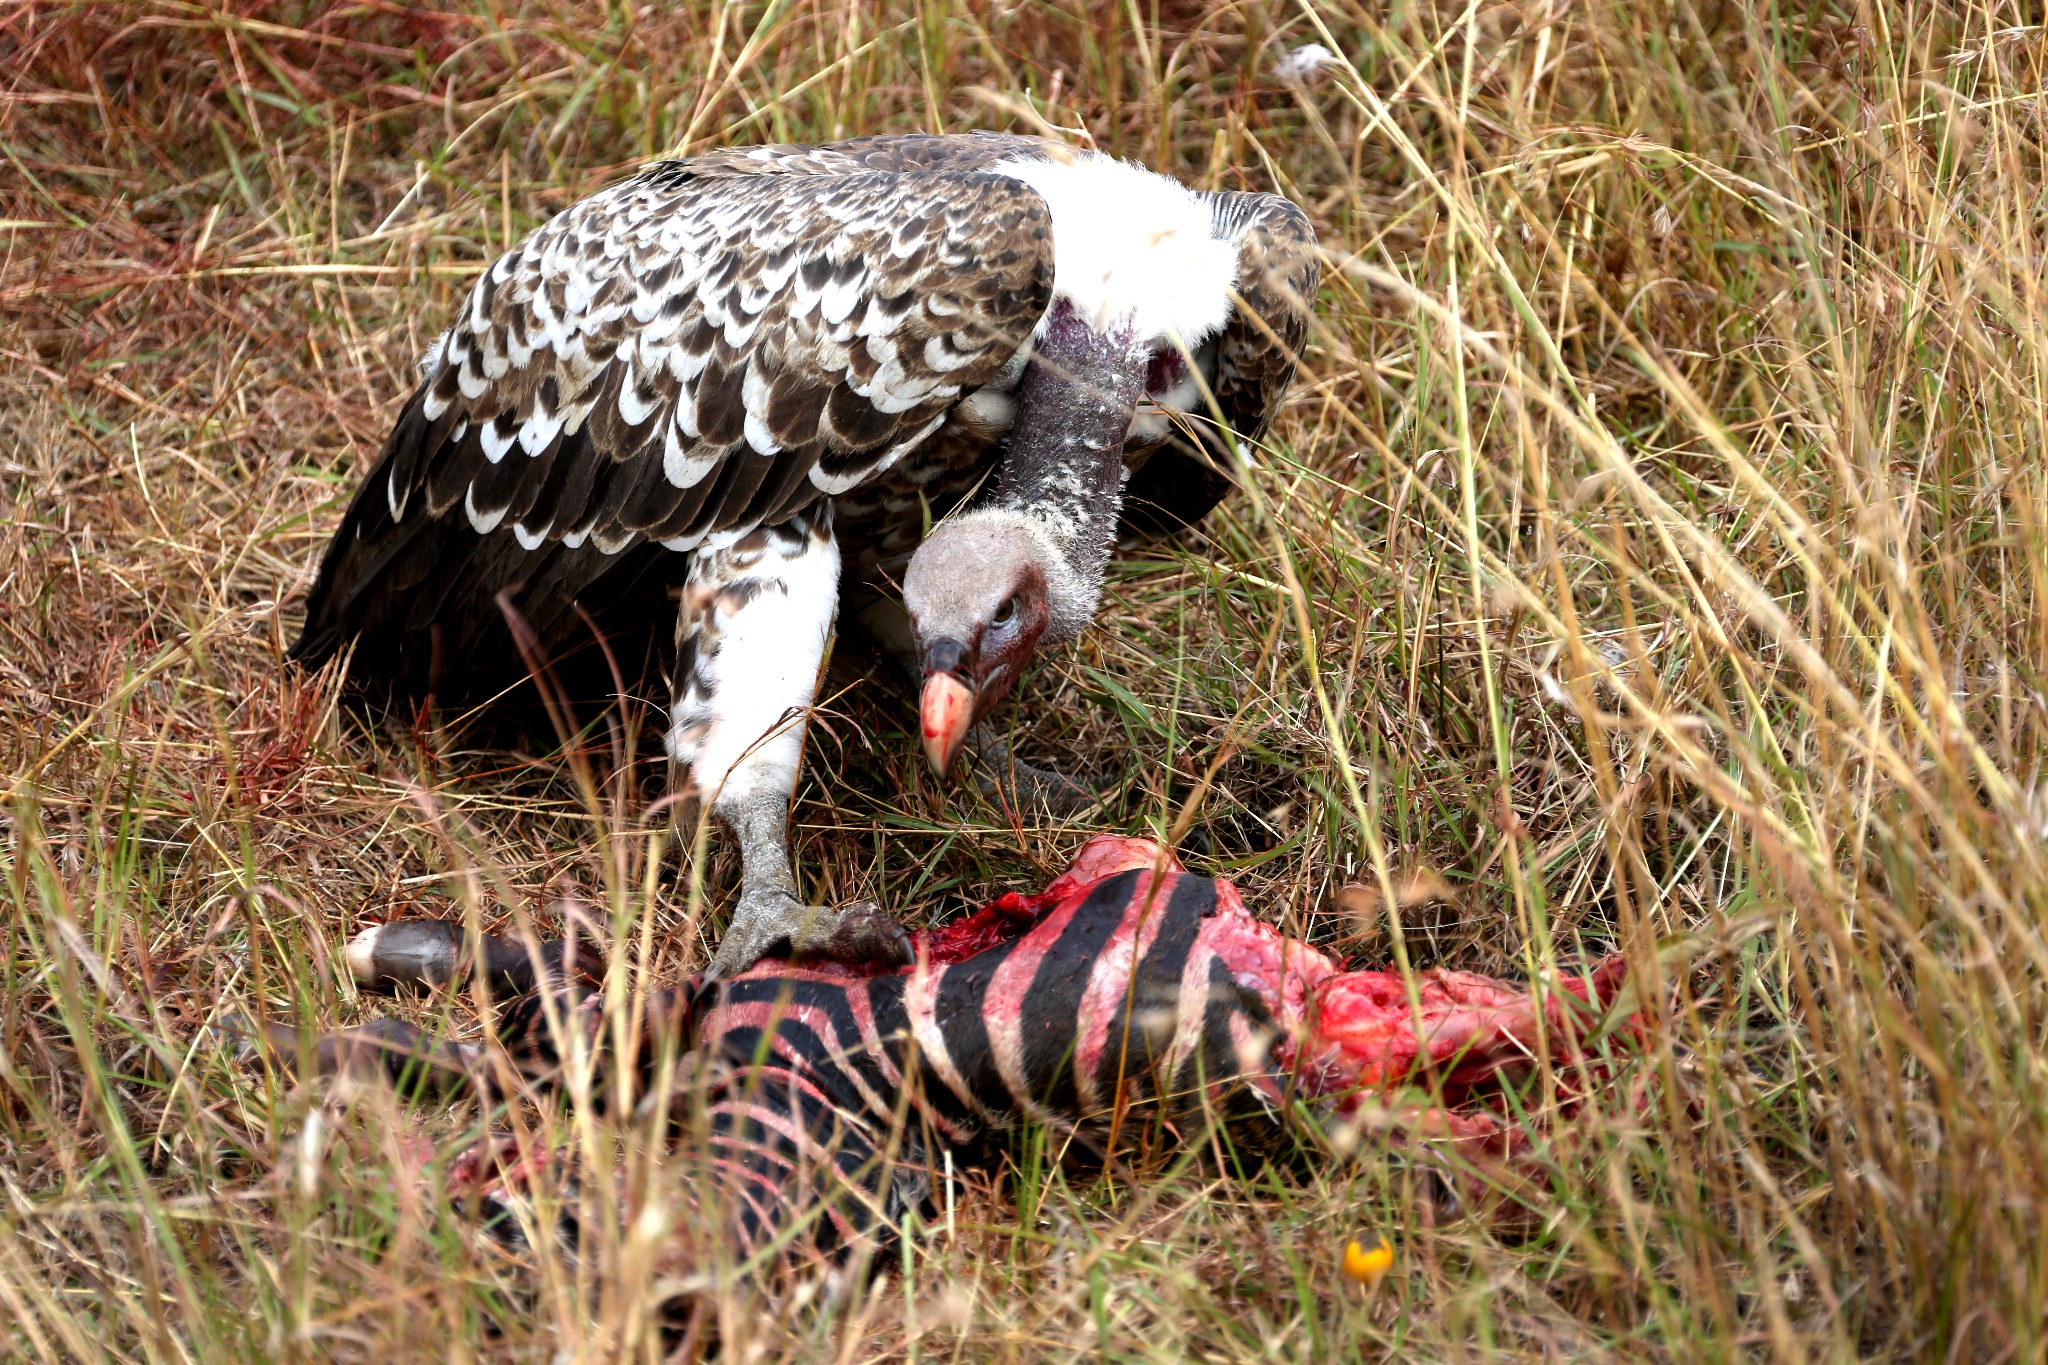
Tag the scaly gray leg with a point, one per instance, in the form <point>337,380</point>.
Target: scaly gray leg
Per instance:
<point>770,911</point>
<point>750,637</point>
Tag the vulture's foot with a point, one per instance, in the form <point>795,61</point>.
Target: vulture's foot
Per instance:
<point>1000,774</point>
<point>766,921</point>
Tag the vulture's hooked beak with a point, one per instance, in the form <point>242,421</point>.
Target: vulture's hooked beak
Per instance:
<point>945,712</point>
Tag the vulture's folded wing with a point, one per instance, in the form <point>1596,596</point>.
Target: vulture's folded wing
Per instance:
<point>1278,273</point>
<point>700,350</point>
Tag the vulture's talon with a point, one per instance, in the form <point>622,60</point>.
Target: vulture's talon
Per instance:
<point>759,923</point>
<point>857,933</point>
<point>866,933</point>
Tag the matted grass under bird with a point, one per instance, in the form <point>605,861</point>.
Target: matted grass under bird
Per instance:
<point>734,391</point>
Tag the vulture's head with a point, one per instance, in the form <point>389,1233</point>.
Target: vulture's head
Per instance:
<point>983,591</point>
<point>1142,277</point>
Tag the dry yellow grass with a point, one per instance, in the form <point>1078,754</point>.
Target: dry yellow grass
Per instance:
<point>1657,546</point>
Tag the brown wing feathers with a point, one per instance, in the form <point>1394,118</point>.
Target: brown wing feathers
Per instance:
<point>1278,275</point>
<point>693,353</point>
<point>712,346</point>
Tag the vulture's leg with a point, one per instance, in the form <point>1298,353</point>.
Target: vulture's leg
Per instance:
<point>996,766</point>
<point>750,639</point>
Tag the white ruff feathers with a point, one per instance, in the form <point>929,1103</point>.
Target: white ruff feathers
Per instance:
<point>1131,246</point>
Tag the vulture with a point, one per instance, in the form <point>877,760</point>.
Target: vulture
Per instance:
<point>916,382</point>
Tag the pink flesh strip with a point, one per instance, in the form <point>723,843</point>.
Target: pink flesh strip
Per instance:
<point>1109,985</point>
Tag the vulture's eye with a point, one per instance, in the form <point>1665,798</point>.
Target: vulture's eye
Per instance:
<point>1005,613</point>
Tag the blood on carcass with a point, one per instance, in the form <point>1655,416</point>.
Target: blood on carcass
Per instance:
<point>1346,1035</point>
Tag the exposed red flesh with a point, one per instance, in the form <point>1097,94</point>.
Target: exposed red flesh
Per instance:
<point>1416,1059</point>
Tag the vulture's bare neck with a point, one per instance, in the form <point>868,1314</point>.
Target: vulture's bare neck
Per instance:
<point>1137,266</point>
<point>1064,468</point>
